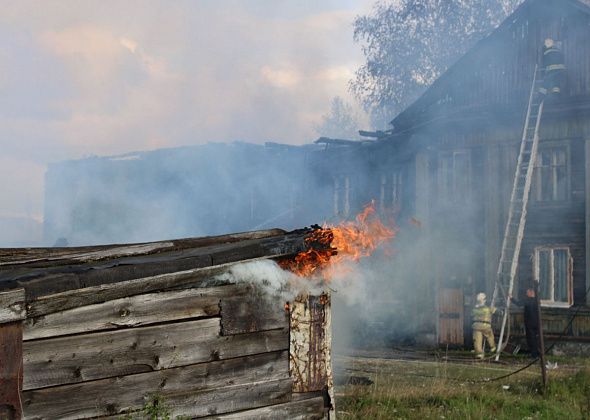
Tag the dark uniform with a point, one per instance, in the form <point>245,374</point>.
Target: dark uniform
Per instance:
<point>553,64</point>
<point>531,323</point>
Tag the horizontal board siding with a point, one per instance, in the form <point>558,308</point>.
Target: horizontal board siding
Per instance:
<point>252,312</point>
<point>310,409</point>
<point>130,393</point>
<point>197,278</point>
<point>231,398</point>
<point>80,358</point>
<point>149,308</point>
<point>12,305</point>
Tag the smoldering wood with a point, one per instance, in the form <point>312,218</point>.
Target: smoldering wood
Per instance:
<point>144,309</point>
<point>12,305</point>
<point>254,311</point>
<point>42,278</point>
<point>11,370</point>
<point>113,396</point>
<point>80,358</point>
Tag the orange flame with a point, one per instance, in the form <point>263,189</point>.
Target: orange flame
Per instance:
<point>331,246</point>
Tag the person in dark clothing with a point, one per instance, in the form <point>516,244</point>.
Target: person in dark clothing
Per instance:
<point>553,64</point>
<point>531,320</point>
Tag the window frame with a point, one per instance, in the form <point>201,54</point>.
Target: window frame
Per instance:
<point>450,193</point>
<point>342,194</point>
<point>391,189</point>
<point>536,187</point>
<point>569,275</point>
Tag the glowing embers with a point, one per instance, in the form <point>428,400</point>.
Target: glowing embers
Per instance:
<point>331,247</point>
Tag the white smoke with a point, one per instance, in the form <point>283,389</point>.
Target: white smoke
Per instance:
<point>275,281</point>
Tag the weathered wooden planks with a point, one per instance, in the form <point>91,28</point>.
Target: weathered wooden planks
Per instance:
<point>43,278</point>
<point>102,337</point>
<point>231,398</point>
<point>310,353</point>
<point>86,357</point>
<point>149,308</point>
<point>11,370</point>
<point>251,312</point>
<point>130,393</point>
<point>310,409</point>
<point>85,253</point>
<point>12,305</point>
<point>198,277</point>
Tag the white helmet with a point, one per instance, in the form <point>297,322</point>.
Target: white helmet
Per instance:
<point>549,43</point>
<point>481,297</point>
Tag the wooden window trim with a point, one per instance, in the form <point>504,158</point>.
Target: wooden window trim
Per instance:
<point>569,280</point>
<point>535,190</point>
<point>454,195</point>
<point>391,190</point>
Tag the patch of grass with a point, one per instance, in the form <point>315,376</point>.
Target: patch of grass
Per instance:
<point>156,409</point>
<point>408,390</point>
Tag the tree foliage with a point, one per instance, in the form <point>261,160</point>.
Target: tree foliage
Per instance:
<point>341,122</point>
<point>409,43</point>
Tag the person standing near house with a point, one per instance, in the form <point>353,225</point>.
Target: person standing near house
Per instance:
<point>554,67</point>
<point>531,320</point>
<point>481,318</point>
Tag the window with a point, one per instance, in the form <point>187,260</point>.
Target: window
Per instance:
<point>553,270</point>
<point>341,195</point>
<point>551,175</point>
<point>391,191</point>
<point>454,176</point>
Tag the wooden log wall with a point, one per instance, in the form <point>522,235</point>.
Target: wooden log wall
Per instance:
<point>181,343</point>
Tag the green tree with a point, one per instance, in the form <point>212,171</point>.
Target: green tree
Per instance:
<point>342,122</point>
<point>409,43</point>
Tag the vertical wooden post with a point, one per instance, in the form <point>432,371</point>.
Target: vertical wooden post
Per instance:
<point>310,353</point>
<point>12,312</point>
<point>541,339</point>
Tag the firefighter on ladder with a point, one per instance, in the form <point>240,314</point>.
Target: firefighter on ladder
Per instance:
<point>554,68</point>
<point>481,318</point>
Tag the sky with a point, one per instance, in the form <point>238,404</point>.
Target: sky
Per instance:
<point>103,77</point>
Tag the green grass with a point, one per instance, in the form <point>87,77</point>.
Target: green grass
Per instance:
<point>435,390</point>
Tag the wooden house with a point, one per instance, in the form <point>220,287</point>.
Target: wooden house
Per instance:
<point>449,162</point>
<point>134,331</point>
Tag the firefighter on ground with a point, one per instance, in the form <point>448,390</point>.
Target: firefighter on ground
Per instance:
<point>481,317</point>
<point>554,68</point>
<point>531,320</point>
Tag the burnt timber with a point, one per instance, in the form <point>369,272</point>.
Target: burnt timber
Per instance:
<point>103,331</point>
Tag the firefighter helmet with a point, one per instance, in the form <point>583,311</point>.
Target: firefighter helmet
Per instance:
<point>481,298</point>
<point>549,43</point>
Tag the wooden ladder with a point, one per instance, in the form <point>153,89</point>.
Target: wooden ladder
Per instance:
<point>515,224</point>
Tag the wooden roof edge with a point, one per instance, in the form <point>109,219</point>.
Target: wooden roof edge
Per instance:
<point>14,256</point>
<point>471,112</point>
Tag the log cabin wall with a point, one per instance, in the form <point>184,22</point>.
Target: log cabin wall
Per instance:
<point>475,111</point>
<point>181,342</point>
